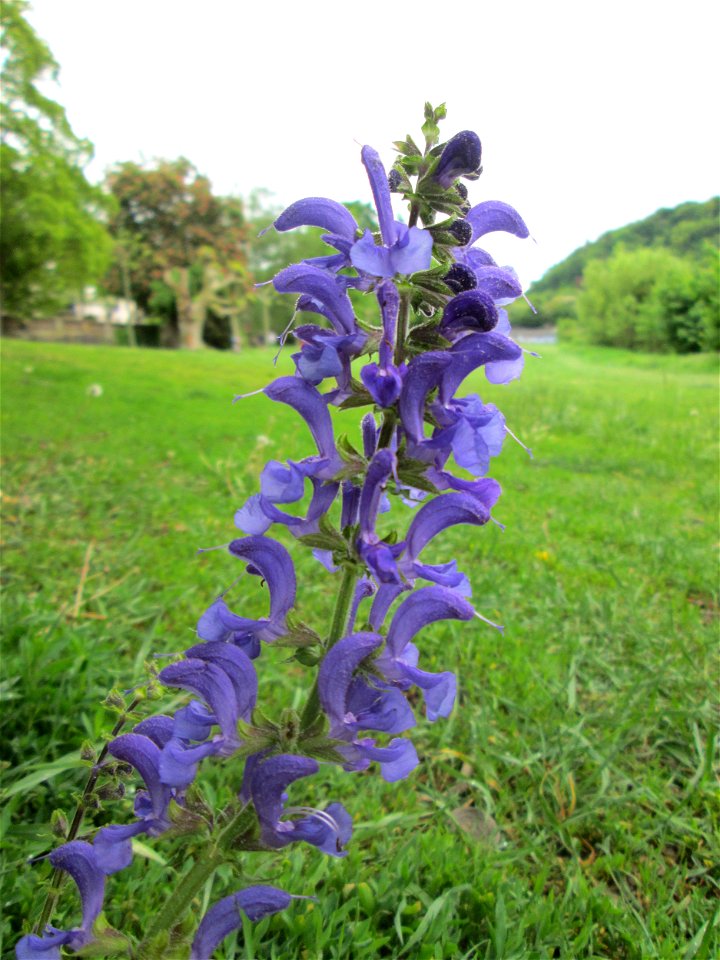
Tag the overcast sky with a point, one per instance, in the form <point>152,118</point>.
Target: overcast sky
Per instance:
<point>591,114</point>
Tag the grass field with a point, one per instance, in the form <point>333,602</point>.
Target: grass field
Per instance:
<point>568,807</point>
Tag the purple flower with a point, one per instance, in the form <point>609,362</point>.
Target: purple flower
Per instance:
<point>501,357</point>
<point>78,859</point>
<point>329,830</point>
<point>379,556</point>
<point>404,250</point>
<point>224,916</point>
<point>398,661</point>
<point>259,512</point>
<point>460,158</point>
<point>384,380</point>
<point>472,431</point>
<point>431,519</point>
<point>151,805</point>
<point>212,684</point>
<point>353,703</point>
<point>270,560</point>
<point>484,218</point>
<point>322,288</point>
<point>325,354</point>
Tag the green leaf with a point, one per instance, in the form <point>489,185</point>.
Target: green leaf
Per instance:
<point>44,772</point>
<point>431,132</point>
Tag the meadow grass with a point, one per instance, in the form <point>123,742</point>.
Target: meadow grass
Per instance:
<point>566,809</point>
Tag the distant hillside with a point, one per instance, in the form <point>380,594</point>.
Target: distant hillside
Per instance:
<point>685,230</point>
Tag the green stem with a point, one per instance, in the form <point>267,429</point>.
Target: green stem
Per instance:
<point>58,876</point>
<point>177,904</point>
<point>337,629</point>
<point>402,328</point>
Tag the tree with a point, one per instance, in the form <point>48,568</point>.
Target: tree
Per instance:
<point>52,240</point>
<point>166,224</point>
<point>651,300</point>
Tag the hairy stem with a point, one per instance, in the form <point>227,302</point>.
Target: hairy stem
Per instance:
<point>402,328</point>
<point>58,876</point>
<point>177,904</point>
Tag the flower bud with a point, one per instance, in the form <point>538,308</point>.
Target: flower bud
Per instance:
<point>58,824</point>
<point>459,278</point>
<point>462,231</point>
<point>460,158</point>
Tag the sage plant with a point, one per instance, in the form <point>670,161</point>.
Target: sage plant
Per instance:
<point>423,453</point>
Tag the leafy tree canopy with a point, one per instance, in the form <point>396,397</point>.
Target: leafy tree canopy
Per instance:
<point>168,217</point>
<point>52,241</point>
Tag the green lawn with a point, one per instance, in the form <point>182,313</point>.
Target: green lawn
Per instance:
<point>566,809</point>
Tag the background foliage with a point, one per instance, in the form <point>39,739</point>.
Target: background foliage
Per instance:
<point>654,282</point>
<point>53,240</point>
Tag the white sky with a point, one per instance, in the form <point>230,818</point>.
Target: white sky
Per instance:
<point>591,114</point>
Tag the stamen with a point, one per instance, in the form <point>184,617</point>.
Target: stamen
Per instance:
<point>228,589</point>
<point>242,396</point>
<point>283,338</point>
<point>220,546</point>
<point>526,449</point>
<point>528,303</point>
<point>321,815</point>
<point>491,623</point>
<point>497,523</point>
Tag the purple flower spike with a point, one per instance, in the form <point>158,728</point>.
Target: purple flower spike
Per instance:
<point>460,157</point>
<point>322,286</point>
<point>212,684</point>
<point>495,215</point>
<point>421,608</point>
<point>224,916</point>
<point>318,212</point>
<point>306,400</point>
